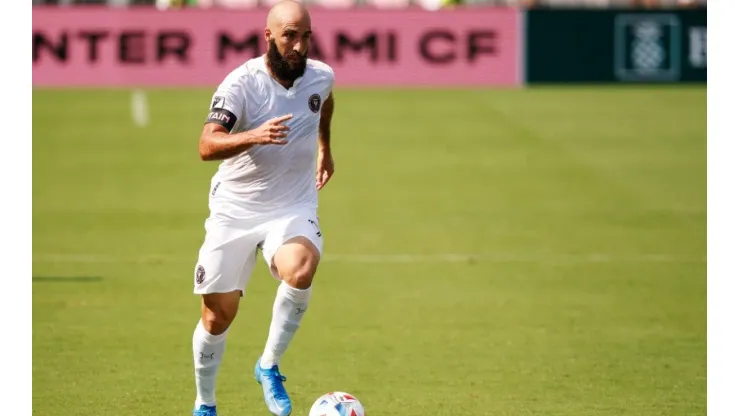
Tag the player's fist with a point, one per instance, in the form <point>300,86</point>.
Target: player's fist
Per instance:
<point>273,131</point>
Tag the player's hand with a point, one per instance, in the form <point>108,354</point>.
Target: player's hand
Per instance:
<point>324,168</point>
<point>272,131</point>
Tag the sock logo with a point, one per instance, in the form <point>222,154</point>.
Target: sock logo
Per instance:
<point>204,356</point>
<point>299,311</point>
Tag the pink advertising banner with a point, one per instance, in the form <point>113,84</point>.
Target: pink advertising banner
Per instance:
<point>91,47</point>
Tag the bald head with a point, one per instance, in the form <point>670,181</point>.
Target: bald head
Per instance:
<point>286,12</point>
<point>288,37</point>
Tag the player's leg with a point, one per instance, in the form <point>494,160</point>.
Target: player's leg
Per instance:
<point>295,262</point>
<point>218,310</point>
<point>225,263</point>
<point>292,249</point>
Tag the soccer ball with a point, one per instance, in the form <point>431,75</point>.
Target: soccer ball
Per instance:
<point>337,403</point>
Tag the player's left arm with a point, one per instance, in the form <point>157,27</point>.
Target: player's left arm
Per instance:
<point>325,162</point>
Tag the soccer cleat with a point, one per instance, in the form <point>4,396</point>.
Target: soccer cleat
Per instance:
<point>204,410</point>
<point>276,398</point>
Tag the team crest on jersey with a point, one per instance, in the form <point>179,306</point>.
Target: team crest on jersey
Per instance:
<point>314,102</point>
<point>200,275</point>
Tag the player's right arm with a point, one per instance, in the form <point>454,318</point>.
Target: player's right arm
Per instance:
<point>217,143</point>
<point>217,139</point>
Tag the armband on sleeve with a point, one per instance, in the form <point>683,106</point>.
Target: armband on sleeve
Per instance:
<point>222,117</point>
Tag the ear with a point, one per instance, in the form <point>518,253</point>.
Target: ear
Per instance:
<point>267,34</point>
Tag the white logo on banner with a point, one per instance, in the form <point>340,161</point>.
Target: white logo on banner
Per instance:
<point>647,47</point>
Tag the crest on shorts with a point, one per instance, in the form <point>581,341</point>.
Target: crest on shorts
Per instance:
<point>314,102</point>
<point>200,275</point>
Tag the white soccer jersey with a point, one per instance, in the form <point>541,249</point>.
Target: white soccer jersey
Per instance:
<point>269,177</point>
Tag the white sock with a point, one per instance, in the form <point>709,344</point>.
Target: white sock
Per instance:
<point>287,311</point>
<point>207,352</point>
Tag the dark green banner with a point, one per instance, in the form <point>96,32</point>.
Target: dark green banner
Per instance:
<point>636,46</point>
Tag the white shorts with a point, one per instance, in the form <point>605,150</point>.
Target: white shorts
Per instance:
<point>229,253</point>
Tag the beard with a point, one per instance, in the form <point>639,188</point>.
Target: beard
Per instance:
<point>288,67</point>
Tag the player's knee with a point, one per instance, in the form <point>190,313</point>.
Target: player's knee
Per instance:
<point>217,316</point>
<point>299,271</point>
<point>216,323</point>
<point>296,262</point>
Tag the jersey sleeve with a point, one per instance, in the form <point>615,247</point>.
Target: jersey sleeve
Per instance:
<point>330,79</point>
<point>228,103</point>
<point>326,76</point>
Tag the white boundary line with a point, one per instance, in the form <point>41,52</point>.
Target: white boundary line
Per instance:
<point>396,258</point>
<point>139,108</point>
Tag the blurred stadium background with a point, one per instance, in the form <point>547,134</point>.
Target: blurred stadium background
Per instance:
<point>535,250</point>
<point>382,3</point>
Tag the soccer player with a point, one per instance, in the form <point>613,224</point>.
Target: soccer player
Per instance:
<point>269,123</point>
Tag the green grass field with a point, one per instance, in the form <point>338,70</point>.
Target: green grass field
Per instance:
<point>519,252</point>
